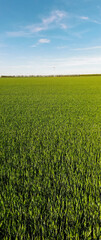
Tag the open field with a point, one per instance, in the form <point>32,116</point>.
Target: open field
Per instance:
<point>50,168</point>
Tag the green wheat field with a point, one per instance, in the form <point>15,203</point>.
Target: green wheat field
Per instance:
<point>50,151</point>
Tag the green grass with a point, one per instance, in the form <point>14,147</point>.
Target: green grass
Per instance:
<point>50,168</point>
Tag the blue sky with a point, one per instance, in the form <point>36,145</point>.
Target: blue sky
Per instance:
<point>50,37</point>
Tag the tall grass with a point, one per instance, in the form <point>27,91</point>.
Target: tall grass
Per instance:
<point>50,168</point>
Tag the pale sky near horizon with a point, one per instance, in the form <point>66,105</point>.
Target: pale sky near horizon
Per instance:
<point>50,37</point>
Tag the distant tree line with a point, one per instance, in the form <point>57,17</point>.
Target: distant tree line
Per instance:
<point>69,75</point>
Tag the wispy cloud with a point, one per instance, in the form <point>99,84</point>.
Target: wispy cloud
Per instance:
<point>62,47</point>
<point>76,61</point>
<point>49,20</point>
<point>34,45</point>
<point>71,65</point>
<point>35,28</point>
<point>55,16</point>
<point>63,26</point>
<point>41,41</point>
<point>53,20</point>
<point>44,40</point>
<point>95,21</point>
<point>17,34</point>
<point>79,49</point>
<point>87,48</point>
<point>84,18</point>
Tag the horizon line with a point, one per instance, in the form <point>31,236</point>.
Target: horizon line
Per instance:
<point>51,75</point>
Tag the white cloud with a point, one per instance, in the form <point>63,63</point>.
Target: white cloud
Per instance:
<point>54,20</point>
<point>35,28</point>
<point>47,21</point>
<point>95,21</point>
<point>62,47</point>
<point>17,34</point>
<point>63,26</point>
<point>87,48</point>
<point>55,16</point>
<point>60,14</point>
<point>42,66</point>
<point>89,19</point>
<point>44,40</point>
<point>80,49</point>
<point>84,18</point>
<point>34,45</point>
<point>41,41</point>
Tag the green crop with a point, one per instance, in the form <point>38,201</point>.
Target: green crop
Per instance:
<point>50,167</point>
